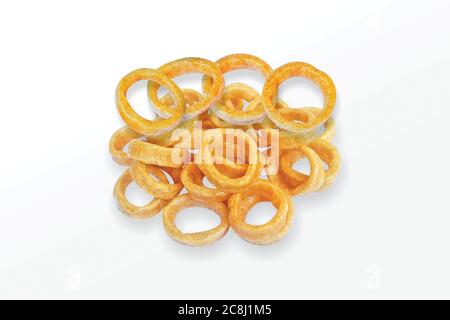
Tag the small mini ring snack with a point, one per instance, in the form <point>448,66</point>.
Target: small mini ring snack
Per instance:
<point>149,210</point>
<point>298,69</point>
<point>192,179</point>
<point>329,126</point>
<point>270,231</point>
<point>182,66</point>
<point>205,161</point>
<point>197,238</point>
<point>235,62</point>
<point>135,121</point>
<point>238,91</point>
<point>247,204</point>
<point>304,183</point>
<point>144,175</point>
<point>326,153</point>
<point>118,141</point>
<point>150,153</point>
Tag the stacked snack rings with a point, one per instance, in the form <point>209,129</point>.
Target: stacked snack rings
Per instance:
<point>243,141</point>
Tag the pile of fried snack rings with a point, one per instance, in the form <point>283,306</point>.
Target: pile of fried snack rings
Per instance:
<point>237,116</point>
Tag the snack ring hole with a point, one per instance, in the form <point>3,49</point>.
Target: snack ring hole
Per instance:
<point>302,166</point>
<point>300,92</point>
<point>137,98</point>
<point>137,196</point>
<point>195,219</point>
<point>260,213</point>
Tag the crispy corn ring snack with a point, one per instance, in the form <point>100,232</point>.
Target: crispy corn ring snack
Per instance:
<point>197,238</point>
<point>150,153</point>
<point>205,161</point>
<point>235,62</point>
<point>298,69</point>
<point>328,154</point>
<point>304,183</point>
<point>117,143</point>
<point>192,179</point>
<point>135,121</point>
<point>146,177</point>
<point>149,210</point>
<point>188,65</point>
<point>239,91</point>
<point>170,138</point>
<point>276,228</point>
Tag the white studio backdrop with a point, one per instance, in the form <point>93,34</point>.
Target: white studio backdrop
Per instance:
<point>381,231</point>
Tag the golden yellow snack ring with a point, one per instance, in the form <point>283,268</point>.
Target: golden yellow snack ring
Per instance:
<point>145,177</point>
<point>247,204</point>
<point>327,153</point>
<point>255,112</point>
<point>192,179</point>
<point>150,153</point>
<point>183,66</point>
<point>205,162</point>
<point>235,62</point>
<point>300,185</point>
<point>241,203</point>
<point>330,155</point>
<point>118,141</point>
<point>133,119</point>
<point>298,69</point>
<point>149,210</point>
<point>197,238</point>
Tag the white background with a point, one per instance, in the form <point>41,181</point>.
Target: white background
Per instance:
<point>381,231</point>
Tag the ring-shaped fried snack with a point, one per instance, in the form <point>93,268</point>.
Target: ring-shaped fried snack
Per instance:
<point>149,210</point>
<point>304,183</point>
<point>298,69</point>
<point>183,66</point>
<point>202,238</point>
<point>241,203</point>
<point>235,62</point>
<point>146,177</point>
<point>205,161</point>
<point>327,153</point>
<point>329,126</point>
<point>330,155</point>
<point>133,119</point>
<point>239,91</point>
<point>118,141</point>
<point>192,179</point>
<point>244,208</point>
<point>150,153</point>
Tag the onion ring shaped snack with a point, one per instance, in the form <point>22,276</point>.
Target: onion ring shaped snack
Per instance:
<point>244,208</point>
<point>205,161</point>
<point>135,121</point>
<point>118,141</point>
<point>329,131</point>
<point>197,238</point>
<point>304,183</point>
<point>327,153</point>
<point>144,175</point>
<point>183,66</point>
<point>192,179</point>
<point>170,138</point>
<point>241,203</point>
<point>298,69</point>
<point>150,153</point>
<point>149,210</point>
<point>255,112</point>
<point>235,62</point>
